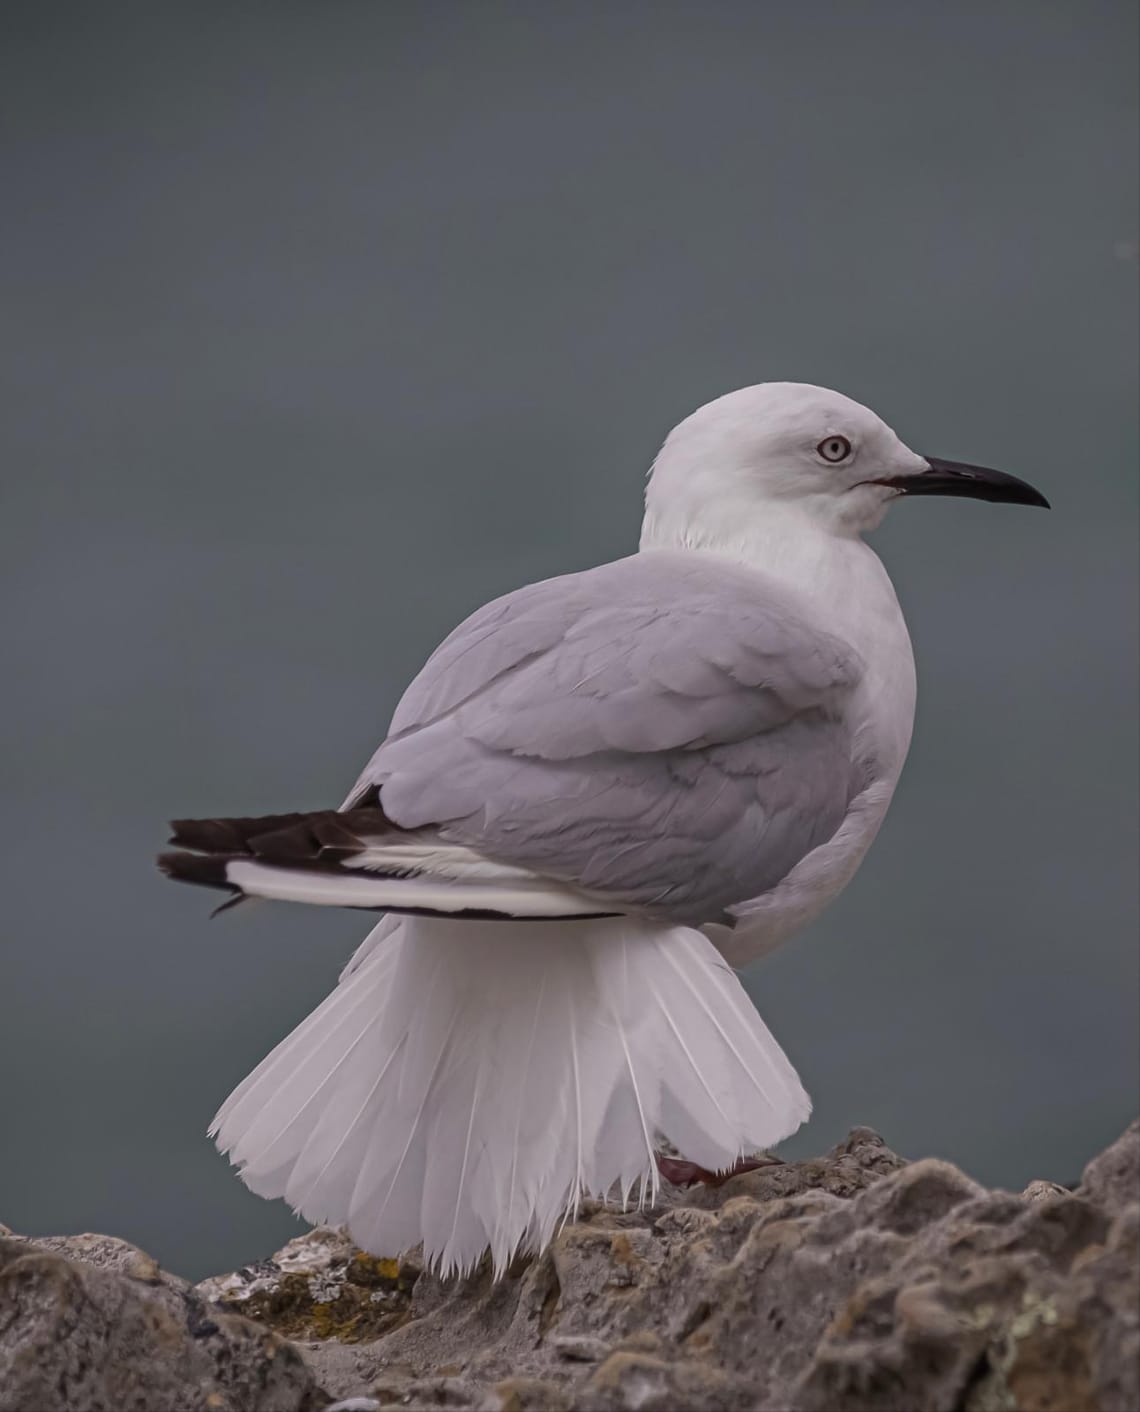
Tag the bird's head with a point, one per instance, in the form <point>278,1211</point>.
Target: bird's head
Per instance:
<point>789,446</point>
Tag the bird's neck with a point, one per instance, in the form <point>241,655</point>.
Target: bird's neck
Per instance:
<point>837,573</point>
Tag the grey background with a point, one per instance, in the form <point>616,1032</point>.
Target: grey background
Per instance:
<point>323,323</point>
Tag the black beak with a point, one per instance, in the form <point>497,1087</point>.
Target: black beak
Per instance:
<point>977,482</point>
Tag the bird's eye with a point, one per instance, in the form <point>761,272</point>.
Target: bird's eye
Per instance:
<point>834,449</point>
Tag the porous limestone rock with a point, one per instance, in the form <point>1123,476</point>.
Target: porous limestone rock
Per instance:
<point>91,1324</point>
<point>850,1281</point>
<point>854,1282</point>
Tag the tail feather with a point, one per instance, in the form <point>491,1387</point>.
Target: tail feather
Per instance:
<point>274,1108</point>
<point>468,1082</point>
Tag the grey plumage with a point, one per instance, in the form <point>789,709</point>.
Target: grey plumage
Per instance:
<point>629,730</point>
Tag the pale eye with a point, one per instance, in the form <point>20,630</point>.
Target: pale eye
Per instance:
<point>834,449</point>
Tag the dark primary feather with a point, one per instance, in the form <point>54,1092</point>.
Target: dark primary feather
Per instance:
<point>320,841</point>
<point>204,870</point>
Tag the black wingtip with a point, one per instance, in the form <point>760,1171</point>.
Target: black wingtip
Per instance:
<point>205,871</point>
<point>208,835</point>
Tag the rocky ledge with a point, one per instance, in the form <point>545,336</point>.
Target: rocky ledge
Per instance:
<point>853,1281</point>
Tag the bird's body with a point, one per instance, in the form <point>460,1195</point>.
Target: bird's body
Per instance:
<point>840,582</point>
<point>597,788</point>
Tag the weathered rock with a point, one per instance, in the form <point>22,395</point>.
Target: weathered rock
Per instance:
<point>90,1324</point>
<point>1112,1180</point>
<point>855,1281</point>
<point>320,1287</point>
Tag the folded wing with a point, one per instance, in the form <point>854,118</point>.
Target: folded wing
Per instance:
<point>668,733</point>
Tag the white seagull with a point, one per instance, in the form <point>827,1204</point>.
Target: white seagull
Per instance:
<point>599,790</point>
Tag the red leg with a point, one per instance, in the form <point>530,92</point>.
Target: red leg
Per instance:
<point>678,1172</point>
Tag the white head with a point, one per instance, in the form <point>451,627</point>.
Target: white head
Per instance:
<point>788,450</point>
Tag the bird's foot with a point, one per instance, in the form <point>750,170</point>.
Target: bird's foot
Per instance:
<point>678,1172</point>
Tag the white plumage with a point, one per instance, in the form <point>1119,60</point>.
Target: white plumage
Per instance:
<point>468,1082</point>
<point>432,887</point>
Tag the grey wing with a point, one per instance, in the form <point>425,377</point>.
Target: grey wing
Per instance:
<point>667,732</point>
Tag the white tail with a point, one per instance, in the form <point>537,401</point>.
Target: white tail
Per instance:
<point>468,1082</point>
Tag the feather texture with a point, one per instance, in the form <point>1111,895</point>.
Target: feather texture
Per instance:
<point>689,716</point>
<point>467,1083</point>
<point>359,858</point>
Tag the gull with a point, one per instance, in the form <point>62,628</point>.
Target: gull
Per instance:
<point>602,793</point>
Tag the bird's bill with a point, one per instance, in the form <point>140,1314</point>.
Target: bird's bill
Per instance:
<point>958,478</point>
